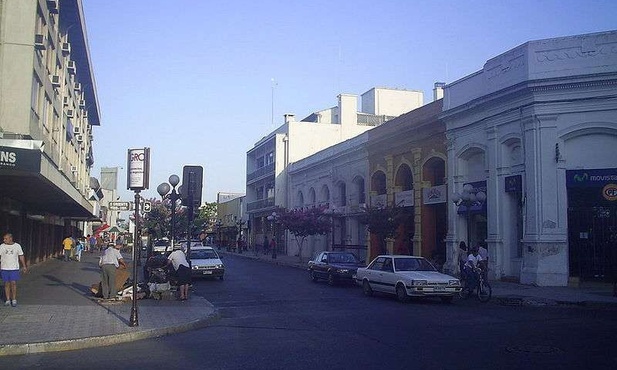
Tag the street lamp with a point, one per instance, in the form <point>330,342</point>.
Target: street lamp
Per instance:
<point>468,198</point>
<point>163,190</point>
<point>272,218</point>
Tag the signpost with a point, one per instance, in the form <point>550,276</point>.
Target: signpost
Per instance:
<point>120,206</point>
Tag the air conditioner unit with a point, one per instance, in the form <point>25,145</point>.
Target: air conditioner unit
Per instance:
<point>55,81</point>
<point>71,67</point>
<point>76,130</point>
<point>65,101</point>
<point>79,138</point>
<point>73,169</point>
<point>85,114</point>
<point>52,5</point>
<point>82,103</point>
<point>90,137</point>
<point>66,48</point>
<point>70,113</point>
<point>39,41</point>
<point>77,86</point>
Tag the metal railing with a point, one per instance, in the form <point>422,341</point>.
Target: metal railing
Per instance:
<point>265,170</point>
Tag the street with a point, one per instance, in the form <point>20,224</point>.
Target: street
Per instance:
<point>273,317</point>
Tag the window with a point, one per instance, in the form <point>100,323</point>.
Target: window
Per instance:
<point>34,94</point>
<point>269,158</point>
<point>387,265</point>
<point>259,162</point>
<point>377,264</point>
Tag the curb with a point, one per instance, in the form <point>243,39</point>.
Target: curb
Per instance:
<point>106,340</point>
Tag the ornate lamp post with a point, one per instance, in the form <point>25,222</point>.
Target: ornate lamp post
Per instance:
<point>273,218</point>
<point>468,198</point>
<point>164,190</point>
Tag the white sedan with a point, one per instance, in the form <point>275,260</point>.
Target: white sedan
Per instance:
<point>406,277</point>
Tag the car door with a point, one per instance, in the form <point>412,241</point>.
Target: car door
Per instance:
<point>321,264</point>
<point>374,274</point>
<point>387,276</point>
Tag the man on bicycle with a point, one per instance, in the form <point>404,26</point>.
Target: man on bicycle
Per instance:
<point>471,267</point>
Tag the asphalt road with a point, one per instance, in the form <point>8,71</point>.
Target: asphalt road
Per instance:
<point>273,317</point>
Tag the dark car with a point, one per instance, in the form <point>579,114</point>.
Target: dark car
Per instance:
<point>334,267</point>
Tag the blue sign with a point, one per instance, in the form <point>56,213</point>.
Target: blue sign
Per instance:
<point>591,178</point>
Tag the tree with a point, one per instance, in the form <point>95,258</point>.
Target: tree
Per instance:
<point>383,222</point>
<point>304,222</point>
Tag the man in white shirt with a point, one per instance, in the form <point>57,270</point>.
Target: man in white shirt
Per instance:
<point>109,262</point>
<point>10,256</point>
<point>473,262</point>
<point>177,259</point>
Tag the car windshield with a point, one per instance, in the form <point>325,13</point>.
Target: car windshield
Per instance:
<point>412,264</point>
<point>342,258</point>
<point>203,254</point>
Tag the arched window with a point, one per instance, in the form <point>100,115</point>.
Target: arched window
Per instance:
<point>404,178</point>
<point>378,183</point>
<point>325,194</point>
<point>300,200</point>
<point>342,193</point>
<point>312,199</point>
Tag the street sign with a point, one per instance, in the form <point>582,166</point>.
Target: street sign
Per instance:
<point>147,206</point>
<point>120,206</point>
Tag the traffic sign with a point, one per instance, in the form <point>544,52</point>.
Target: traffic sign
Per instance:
<point>120,206</point>
<point>147,206</point>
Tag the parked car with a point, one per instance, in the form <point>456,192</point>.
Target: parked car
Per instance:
<point>206,262</point>
<point>406,277</point>
<point>334,267</point>
<point>161,246</point>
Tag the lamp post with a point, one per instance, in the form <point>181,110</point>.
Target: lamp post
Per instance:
<point>164,190</point>
<point>468,198</point>
<point>272,218</point>
<point>239,224</point>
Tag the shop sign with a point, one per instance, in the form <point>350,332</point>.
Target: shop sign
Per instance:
<point>379,201</point>
<point>609,192</point>
<point>591,178</point>
<point>20,159</point>
<point>435,194</point>
<point>404,198</point>
<point>514,184</point>
<point>138,169</point>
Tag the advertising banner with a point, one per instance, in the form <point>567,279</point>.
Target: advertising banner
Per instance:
<point>20,159</point>
<point>435,194</point>
<point>138,169</point>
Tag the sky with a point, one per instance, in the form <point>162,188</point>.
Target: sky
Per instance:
<point>200,82</point>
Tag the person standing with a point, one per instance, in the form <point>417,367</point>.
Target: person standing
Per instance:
<point>67,245</point>
<point>483,252</point>
<point>78,249</point>
<point>11,255</point>
<point>109,262</point>
<point>91,243</point>
<point>273,248</point>
<point>177,259</point>
<point>462,257</point>
<point>266,244</point>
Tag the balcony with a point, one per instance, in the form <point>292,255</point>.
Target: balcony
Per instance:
<point>260,172</point>
<point>260,204</point>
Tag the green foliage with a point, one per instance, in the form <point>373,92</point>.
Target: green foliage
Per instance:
<point>157,222</point>
<point>382,222</point>
<point>304,222</point>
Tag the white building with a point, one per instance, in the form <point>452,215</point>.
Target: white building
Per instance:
<point>48,106</point>
<point>536,130</point>
<point>334,178</point>
<point>267,162</point>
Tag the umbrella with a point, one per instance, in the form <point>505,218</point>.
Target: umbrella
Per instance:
<point>116,229</point>
<point>101,229</point>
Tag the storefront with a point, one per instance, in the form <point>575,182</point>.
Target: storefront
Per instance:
<point>592,223</point>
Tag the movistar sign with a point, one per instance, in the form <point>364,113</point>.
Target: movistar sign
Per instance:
<point>590,178</point>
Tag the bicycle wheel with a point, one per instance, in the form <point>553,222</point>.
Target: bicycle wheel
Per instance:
<point>465,292</point>
<point>484,292</point>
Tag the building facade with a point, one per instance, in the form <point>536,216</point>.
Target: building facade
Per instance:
<point>48,106</point>
<point>535,133</point>
<point>267,180</point>
<point>232,222</point>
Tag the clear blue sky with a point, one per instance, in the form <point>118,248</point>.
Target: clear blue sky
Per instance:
<point>192,79</point>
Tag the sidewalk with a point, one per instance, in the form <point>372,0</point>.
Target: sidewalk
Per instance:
<point>57,312</point>
<point>590,295</point>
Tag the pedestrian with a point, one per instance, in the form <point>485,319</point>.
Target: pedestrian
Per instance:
<point>11,255</point>
<point>177,259</point>
<point>473,263</point>
<point>273,247</point>
<point>483,252</point>
<point>462,257</point>
<point>79,248</point>
<point>91,243</point>
<point>202,238</point>
<point>109,262</point>
<point>67,245</point>
<point>266,244</point>
<point>99,243</point>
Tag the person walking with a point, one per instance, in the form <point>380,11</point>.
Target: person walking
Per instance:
<point>109,262</point>
<point>273,248</point>
<point>79,248</point>
<point>177,259</point>
<point>67,245</point>
<point>266,244</point>
<point>91,243</point>
<point>11,255</point>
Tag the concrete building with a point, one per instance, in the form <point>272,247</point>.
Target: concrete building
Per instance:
<point>267,179</point>
<point>334,178</point>
<point>535,130</point>
<point>232,221</point>
<point>48,106</point>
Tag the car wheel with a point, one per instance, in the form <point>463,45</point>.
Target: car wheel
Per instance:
<point>313,276</point>
<point>401,293</point>
<point>366,288</point>
<point>447,299</point>
<point>331,279</point>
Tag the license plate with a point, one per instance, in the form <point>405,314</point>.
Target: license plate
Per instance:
<point>207,272</point>
<point>440,289</point>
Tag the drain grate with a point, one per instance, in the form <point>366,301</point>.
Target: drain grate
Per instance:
<point>541,349</point>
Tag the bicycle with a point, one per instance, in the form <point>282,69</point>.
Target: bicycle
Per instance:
<point>482,288</point>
